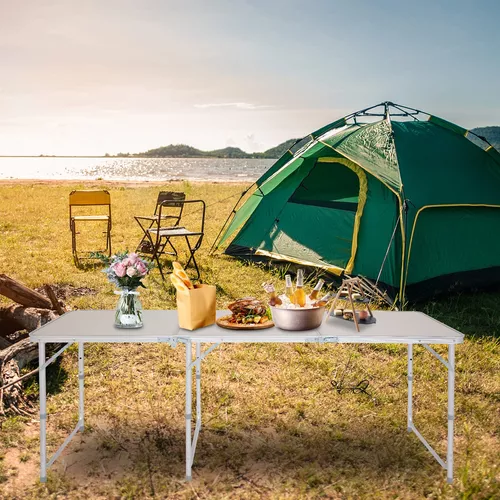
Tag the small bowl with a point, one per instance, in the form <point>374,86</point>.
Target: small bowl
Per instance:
<point>298,319</point>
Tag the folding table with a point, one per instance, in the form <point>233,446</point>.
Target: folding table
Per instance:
<point>407,328</point>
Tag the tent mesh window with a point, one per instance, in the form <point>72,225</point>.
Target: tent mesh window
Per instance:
<point>329,185</point>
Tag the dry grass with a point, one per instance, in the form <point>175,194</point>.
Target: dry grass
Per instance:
<point>273,425</point>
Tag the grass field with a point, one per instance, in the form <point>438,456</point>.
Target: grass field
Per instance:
<point>274,427</point>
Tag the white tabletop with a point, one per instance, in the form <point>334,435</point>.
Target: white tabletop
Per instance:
<point>98,326</point>
<point>162,326</point>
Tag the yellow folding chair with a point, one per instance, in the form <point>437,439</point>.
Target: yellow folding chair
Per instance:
<point>89,199</point>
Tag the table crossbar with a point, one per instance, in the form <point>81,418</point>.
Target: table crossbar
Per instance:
<point>428,446</point>
<point>437,356</point>
<point>203,355</point>
<point>56,355</point>
<point>77,428</point>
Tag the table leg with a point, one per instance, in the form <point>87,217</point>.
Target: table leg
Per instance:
<point>198,386</point>
<point>188,408</point>
<point>410,387</point>
<point>43,412</point>
<point>81,385</point>
<point>451,411</point>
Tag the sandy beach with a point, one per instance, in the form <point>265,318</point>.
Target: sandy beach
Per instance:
<point>100,183</point>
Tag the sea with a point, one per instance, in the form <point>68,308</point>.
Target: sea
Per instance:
<point>133,169</point>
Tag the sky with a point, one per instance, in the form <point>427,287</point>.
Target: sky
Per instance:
<point>88,77</point>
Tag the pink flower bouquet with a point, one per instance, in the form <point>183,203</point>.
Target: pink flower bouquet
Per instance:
<point>127,270</point>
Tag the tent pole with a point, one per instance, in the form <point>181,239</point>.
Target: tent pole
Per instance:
<point>387,252</point>
<point>415,111</point>
<point>215,243</point>
<point>402,291</point>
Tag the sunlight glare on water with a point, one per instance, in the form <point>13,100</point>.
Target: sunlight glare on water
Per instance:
<point>196,169</point>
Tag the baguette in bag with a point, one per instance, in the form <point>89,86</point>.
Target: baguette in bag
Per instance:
<point>196,306</point>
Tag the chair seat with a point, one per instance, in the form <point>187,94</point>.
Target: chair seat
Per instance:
<point>173,231</point>
<point>90,217</point>
<point>155,217</point>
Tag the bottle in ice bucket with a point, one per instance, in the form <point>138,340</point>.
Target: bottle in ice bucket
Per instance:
<point>289,287</point>
<point>315,293</point>
<point>299,297</point>
<point>323,301</point>
<point>274,300</point>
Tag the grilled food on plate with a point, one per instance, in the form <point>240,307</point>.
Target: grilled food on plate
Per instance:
<point>248,313</point>
<point>248,310</point>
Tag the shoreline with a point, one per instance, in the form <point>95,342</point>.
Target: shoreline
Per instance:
<point>115,182</point>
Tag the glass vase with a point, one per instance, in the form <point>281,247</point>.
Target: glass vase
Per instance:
<point>128,310</point>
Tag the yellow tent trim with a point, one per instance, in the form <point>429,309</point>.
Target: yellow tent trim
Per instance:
<point>403,245</point>
<point>330,268</point>
<point>363,190</point>
<point>421,209</point>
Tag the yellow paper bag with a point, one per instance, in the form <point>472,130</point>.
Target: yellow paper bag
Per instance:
<point>196,307</point>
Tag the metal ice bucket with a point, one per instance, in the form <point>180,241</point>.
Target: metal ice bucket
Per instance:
<point>298,319</point>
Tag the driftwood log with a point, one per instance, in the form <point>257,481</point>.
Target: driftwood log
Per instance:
<point>21,294</point>
<point>16,351</point>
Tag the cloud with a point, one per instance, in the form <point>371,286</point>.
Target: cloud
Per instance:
<point>252,144</point>
<point>237,105</point>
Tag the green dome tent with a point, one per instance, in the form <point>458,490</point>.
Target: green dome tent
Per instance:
<point>390,193</point>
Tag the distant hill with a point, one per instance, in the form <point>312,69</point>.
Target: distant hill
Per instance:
<point>492,134</point>
<point>174,150</point>
<point>184,151</point>
<point>279,150</point>
<point>229,152</point>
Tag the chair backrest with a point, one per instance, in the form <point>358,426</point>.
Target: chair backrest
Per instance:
<point>170,199</point>
<point>89,197</point>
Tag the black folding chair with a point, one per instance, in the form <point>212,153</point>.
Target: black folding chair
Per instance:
<point>171,215</point>
<point>160,229</point>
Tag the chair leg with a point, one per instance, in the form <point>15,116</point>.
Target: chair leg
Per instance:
<point>192,257</point>
<point>156,257</point>
<point>169,243</point>
<point>146,237</point>
<point>73,244</point>
<point>160,268</point>
<point>140,245</point>
<point>109,238</point>
<point>166,241</point>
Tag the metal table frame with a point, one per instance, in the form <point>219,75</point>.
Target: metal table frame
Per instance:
<point>214,337</point>
<point>192,438</point>
<point>44,465</point>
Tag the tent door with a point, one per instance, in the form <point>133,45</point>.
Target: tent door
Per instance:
<point>323,214</point>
